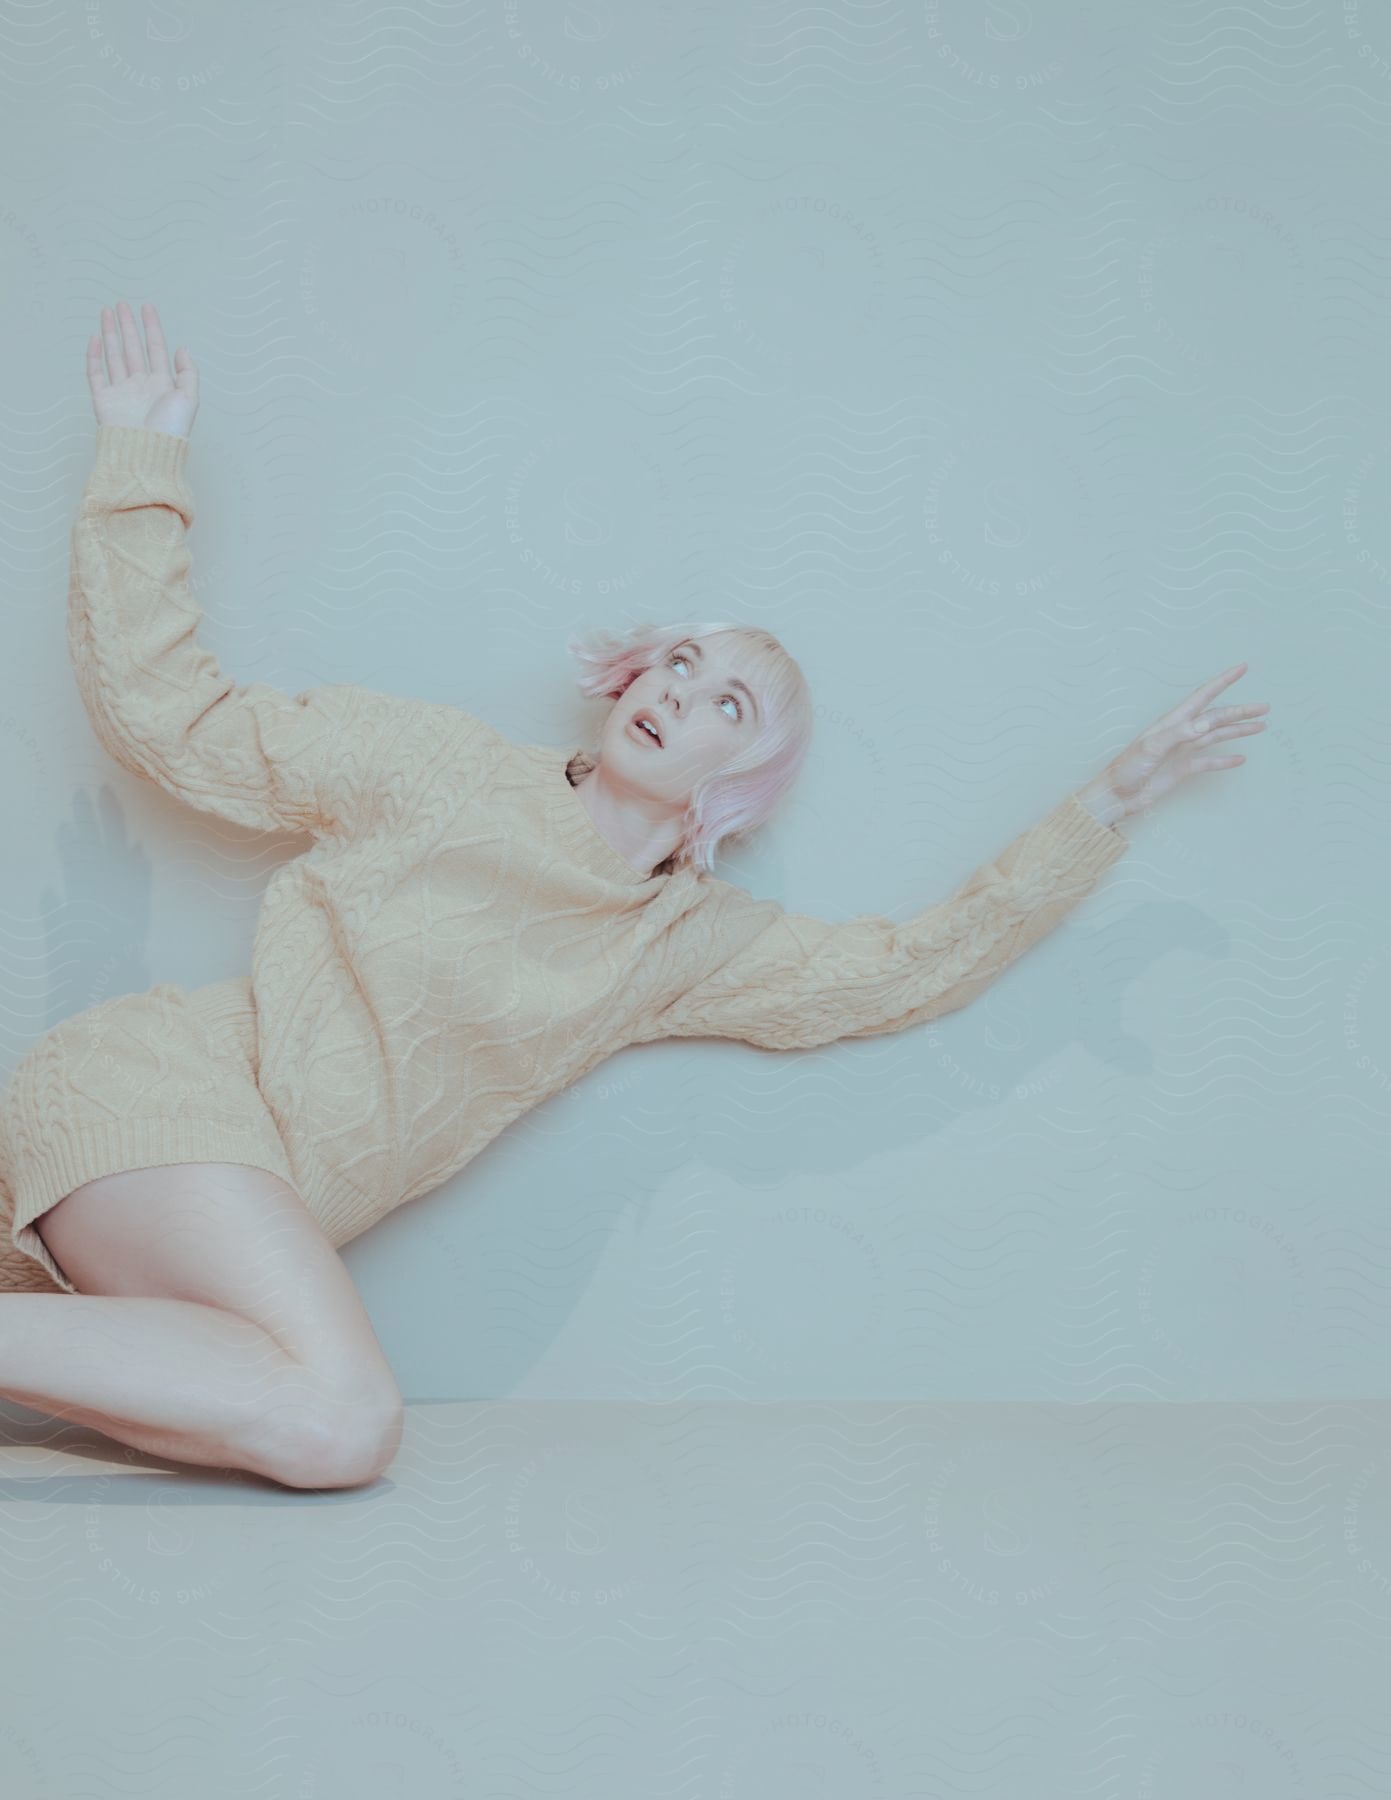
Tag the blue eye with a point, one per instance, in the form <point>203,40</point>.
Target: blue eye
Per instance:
<point>676,657</point>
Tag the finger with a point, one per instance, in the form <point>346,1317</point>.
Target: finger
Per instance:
<point>96,377</point>
<point>1216,733</point>
<point>1200,696</point>
<point>1223,715</point>
<point>186,372</point>
<point>1216,762</point>
<point>111,337</point>
<point>1207,723</point>
<point>154,337</point>
<point>130,339</point>
<point>1228,715</point>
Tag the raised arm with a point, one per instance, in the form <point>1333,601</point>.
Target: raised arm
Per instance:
<point>789,982</point>
<point>158,702</point>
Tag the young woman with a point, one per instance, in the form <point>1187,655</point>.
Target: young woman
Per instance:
<point>477,924</point>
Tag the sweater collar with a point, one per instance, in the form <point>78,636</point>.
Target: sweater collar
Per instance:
<point>578,832</point>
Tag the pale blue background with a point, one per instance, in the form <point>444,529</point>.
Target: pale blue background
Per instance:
<point>1022,366</point>
<point>1019,394</point>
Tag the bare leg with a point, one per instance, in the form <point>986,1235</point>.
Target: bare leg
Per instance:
<point>212,1322</point>
<point>172,1377</point>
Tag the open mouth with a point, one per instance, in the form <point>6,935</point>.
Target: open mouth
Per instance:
<point>643,726</point>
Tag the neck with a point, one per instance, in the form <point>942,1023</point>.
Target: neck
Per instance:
<point>648,844</point>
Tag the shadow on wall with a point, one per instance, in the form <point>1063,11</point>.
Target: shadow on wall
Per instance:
<point>852,1100</point>
<point>514,1244</point>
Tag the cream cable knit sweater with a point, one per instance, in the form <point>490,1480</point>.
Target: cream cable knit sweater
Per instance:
<point>460,942</point>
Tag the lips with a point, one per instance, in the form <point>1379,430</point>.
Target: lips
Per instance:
<point>636,727</point>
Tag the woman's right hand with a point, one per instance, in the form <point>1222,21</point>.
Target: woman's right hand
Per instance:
<point>135,389</point>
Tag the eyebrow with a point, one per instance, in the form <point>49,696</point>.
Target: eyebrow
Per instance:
<point>734,681</point>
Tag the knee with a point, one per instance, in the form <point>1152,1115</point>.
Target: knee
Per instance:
<point>359,1453</point>
<point>345,1442</point>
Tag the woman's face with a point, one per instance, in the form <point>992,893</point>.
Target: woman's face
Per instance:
<point>702,698</point>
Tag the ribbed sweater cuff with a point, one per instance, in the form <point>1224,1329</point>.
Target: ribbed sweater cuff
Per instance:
<point>1084,841</point>
<point>137,450</point>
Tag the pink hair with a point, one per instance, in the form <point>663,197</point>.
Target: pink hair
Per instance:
<point>745,792</point>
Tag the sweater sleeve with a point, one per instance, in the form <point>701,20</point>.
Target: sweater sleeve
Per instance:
<point>783,981</point>
<point>158,702</point>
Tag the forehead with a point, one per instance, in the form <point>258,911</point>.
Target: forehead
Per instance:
<point>744,655</point>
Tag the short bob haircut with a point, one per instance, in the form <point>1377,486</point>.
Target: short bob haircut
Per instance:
<point>745,792</point>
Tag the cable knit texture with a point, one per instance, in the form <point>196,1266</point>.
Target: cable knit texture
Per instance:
<point>459,942</point>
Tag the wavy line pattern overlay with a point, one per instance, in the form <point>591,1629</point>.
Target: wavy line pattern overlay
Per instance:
<point>781,1425</point>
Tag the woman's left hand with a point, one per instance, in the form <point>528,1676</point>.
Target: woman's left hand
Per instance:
<point>1176,746</point>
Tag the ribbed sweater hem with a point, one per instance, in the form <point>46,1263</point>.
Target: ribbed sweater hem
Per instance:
<point>72,1155</point>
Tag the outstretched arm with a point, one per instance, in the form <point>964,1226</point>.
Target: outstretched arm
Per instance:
<point>158,702</point>
<point>791,982</point>
<point>783,981</point>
